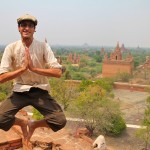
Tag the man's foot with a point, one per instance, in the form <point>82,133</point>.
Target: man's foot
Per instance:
<point>23,125</point>
<point>31,127</point>
<point>24,128</point>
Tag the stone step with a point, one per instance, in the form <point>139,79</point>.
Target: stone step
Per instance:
<point>10,140</point>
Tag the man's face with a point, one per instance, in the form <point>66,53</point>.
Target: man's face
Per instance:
<point>26,29</point>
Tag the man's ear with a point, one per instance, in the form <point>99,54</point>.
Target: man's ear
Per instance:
<point>18,29</point>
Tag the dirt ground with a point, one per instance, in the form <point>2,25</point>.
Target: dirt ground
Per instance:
<point>133,105</point>
<point>126,141</point>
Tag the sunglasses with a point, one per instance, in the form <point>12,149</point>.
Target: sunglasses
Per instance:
<point>29,25</point>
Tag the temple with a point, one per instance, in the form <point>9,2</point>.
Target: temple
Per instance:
<point>147,63</point>
<point>116,64</point>
<point>73,58</point>
<point>102,51</point>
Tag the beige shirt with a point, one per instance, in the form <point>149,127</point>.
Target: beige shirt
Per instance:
<point>41,55</point>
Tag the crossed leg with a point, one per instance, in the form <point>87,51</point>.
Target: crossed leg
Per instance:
<point>28,127</point>
<point>24,126</point>
<point>32,125</point>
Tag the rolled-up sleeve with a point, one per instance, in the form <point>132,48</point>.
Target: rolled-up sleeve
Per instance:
<point>6,61</point>
<point>50,59</point>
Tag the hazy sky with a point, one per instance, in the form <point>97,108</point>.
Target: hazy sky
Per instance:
<point>75,22</point>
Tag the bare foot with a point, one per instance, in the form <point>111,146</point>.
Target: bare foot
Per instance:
<point>24,128</point>
<point>23,125</point>
<point>31,126</point>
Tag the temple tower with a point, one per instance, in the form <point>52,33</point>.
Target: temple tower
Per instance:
<point>116,64</point>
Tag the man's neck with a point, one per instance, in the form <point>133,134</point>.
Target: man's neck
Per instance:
<point>27,42</point>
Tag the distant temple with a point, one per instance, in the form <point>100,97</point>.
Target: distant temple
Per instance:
<point>116,64</point>
<point>74,58</point>
<point>123,49</point>
<point>147,63</point>
<point>102,51</point>
<point>59,60</point>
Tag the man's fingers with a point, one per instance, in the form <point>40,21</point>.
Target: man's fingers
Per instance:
<point>27,49</point>
<point>27,54</point>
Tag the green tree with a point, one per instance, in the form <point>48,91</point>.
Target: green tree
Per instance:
<point>6,87</point>
<point>2,96</point>
<point>105,83</point>
<point>101,114</point>
<point>5,90</point>
<point>62,92</point>
<point>83,63</point>
<point>78,76</point>
<point>67,75</point>
<point>124,77</point>
<point>36,114</point>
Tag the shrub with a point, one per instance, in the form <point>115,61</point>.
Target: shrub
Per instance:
<point>2,96</point>
<point>62,91</point>
<point>101,114</point>
<point>105,83</point>
<point>124,77</point>
<point>84,84</point>
<point>6,87</point>
<point>118,125</point>
<point>78,76</point>
<point>37,115</point>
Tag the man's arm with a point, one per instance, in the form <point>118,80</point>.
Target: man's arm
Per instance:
<point>11,75</point>
<point>50,72</point>
<point>6,76</point>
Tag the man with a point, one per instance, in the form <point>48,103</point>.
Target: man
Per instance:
<point>29,62</point>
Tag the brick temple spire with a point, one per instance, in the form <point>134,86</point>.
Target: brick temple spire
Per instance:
<point>116,64</point>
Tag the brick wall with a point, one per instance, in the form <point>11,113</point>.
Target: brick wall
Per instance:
<point>112,69</point>
<point>11,145</point>
<point>132,87</point>
<point>118,85</point>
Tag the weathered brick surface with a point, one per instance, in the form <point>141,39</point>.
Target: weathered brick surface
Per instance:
<point>9,140</point>
<point>112,69</point>
<point>131,87</point>
<point>46,140</point>
<point>62,140</point>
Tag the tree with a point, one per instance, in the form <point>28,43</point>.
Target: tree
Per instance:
<point>5,90</point>
<point>100,113</point>
<point>62,92</point>
<point>124,77</point>
<point>67,75</point>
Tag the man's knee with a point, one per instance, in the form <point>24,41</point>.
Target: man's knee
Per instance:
<point>56,121</point>
<point>6,122</point>
<point>62,121</point>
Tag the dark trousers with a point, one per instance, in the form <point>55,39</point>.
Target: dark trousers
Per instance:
<point>39,99</point>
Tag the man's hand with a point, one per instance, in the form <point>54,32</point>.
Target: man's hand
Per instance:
<point>29,60</point>
<point>51,72</point>
<point>12,75</point>
<point>30,63</point>
<point>26,60</point>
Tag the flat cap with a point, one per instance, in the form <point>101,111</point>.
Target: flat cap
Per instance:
<point>27,17</point>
